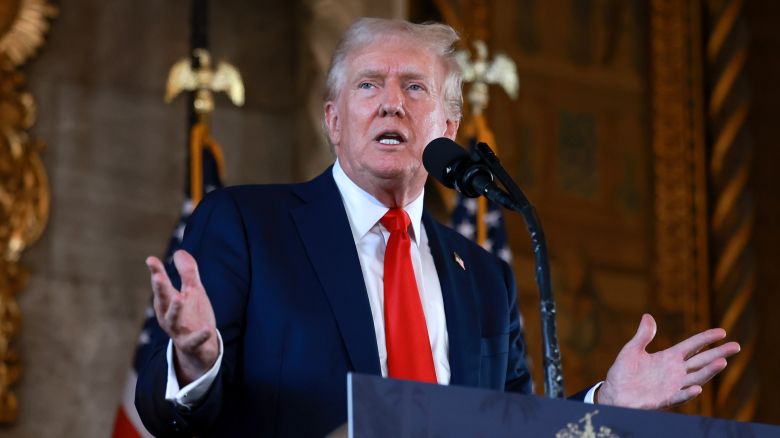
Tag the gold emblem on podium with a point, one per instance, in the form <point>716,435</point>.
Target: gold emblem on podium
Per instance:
<point>586,429</point>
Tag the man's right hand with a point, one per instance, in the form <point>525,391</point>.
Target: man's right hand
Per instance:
<point>186,316</point>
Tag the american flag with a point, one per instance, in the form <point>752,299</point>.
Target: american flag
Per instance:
<point>127,424</point>
<point>464,221</point>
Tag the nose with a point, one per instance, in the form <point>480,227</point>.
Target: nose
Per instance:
<point>392,103</point>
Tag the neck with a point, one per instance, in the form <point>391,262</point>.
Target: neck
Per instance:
<point>392,197</point>
<point>391,192</point>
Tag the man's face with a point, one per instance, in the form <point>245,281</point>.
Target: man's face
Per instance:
<point>390,105</point>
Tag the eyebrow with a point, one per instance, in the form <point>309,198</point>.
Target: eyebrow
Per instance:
<point>375,74</point>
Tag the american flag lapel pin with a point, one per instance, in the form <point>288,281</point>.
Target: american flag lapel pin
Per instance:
<point>458,260</point>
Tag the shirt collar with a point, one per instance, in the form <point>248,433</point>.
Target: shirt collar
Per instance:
<point>364,210</point>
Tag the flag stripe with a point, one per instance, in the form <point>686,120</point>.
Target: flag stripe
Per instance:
<point>123,428</point>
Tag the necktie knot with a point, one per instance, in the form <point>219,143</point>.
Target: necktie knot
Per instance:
<point>396,220</point>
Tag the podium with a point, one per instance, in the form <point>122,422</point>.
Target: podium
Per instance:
<point>379,408</point>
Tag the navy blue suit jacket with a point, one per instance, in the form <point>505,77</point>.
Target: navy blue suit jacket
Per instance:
<point>282,272</point>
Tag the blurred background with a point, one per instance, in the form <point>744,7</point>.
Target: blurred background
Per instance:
<point>642,130</point>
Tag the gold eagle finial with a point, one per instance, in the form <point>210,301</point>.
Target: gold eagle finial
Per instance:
<point>480,73</point>
<point>204,81</point>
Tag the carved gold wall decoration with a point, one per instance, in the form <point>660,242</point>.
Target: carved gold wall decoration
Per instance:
<point>24,199</point>
<point>681,262</point>
<point>734,270</point>
<point>24,192</point>
<point>23,24</point>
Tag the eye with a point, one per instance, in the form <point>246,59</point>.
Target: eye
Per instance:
<point>416,87</point>
<point>365,85</point>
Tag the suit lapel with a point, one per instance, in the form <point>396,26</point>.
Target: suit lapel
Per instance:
<point>460,308</point>
<point>324,230</point>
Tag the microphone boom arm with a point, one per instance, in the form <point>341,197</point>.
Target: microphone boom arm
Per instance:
<point>517,201</point>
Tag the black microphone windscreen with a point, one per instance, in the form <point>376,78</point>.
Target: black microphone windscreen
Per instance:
<point>439,157</point>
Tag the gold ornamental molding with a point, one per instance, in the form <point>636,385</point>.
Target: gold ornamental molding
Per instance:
<point>731,224</point>
<point>681,261</point>
<point>23,25</point>
<point>24,191</point>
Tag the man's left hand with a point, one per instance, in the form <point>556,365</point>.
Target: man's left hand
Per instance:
<point>639,379</point>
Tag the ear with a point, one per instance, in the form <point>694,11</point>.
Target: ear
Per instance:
<point>451,130</point>
<point>332,123</point>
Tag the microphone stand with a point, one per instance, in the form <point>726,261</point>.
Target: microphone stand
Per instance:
<point>515,200</point>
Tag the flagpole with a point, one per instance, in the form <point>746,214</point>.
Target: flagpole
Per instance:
<point>204,171</point>
<point>199,39</point>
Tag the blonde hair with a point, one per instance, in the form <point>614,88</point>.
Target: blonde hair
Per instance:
<point>437,37</point>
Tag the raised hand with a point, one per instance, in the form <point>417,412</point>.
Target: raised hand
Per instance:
<point>186,316</point>
<point>639,379</point>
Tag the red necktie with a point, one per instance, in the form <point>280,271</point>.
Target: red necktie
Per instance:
<point>408,348</point>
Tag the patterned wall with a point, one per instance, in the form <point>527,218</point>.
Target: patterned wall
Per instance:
<point>577,140</point>
<point>604,141</point>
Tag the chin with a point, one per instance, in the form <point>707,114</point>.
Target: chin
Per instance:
<point>398,177</point>
<point>391,167</point>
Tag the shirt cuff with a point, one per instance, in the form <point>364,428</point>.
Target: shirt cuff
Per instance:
<point>191,394</point>
<point>591,394</point>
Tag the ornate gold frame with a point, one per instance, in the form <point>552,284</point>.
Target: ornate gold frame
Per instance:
<point>24,192</point>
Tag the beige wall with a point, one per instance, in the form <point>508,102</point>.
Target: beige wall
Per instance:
<point>115,160</point>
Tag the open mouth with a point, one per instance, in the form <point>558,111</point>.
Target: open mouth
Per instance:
<point>390,138</point>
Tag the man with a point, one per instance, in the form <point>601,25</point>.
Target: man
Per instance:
<point>304,283</point>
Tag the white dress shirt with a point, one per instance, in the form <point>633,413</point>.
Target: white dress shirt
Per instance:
<point>364,212</point>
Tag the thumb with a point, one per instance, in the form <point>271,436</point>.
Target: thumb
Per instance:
<point>645,333</point>
<point>188,269</point>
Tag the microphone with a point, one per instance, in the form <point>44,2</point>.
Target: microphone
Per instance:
<point>452,166</point>
<point>473,175</point>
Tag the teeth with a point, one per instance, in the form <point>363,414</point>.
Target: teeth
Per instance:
<point>389,141</point>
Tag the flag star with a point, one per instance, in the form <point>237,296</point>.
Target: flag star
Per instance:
<point>505,254</point>
<point>149,312</point>
<point>466,229</point>
<point>186,207</point>
<point>492,217</point>
<point>178,232</point>
<point>471,205</point>
<point>210,188</point>
<point>488,245</point>
<point>143,338</point>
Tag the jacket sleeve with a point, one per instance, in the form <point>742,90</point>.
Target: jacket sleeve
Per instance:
<point>518,378</point>
<point>216,237</point>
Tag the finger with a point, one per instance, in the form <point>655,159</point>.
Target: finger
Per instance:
<point>188,269</point>
<point>172,315</point>
<point>161,300</point>
<point>162,288</point>
<point>645,333</point>
<point>697,342</point>
<point>706,373</point>
<point>685,394</point>
<point>705,357</point>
